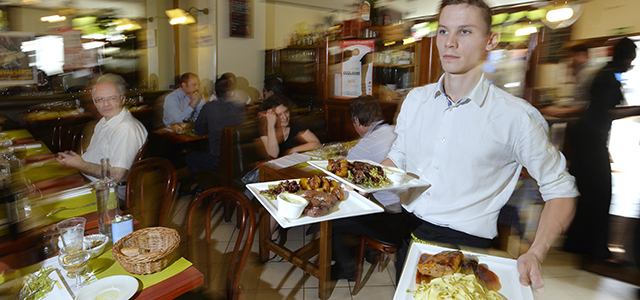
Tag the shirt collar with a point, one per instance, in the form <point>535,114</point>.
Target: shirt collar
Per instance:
<point>477,95</point>
<point>181,94</point>
<point>115,120</point>
<point>373,127</point>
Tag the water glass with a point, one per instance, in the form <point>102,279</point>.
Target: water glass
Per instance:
<point>72,233</point>
<point>75,263</point>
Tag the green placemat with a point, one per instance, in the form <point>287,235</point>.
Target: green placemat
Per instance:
<point>18,134</point>
<point>45,205</point>
<point>52,169</point>
<point>105,266</point>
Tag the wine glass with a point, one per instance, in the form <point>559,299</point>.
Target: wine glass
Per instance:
<point>20,152</point>
<point>75,263</point>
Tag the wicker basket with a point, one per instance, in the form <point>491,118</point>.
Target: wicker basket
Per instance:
<point>159,241</point>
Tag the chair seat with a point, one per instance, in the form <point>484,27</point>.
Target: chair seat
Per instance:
<point>385,249</point>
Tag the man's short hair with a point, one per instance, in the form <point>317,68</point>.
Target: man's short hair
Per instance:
<point>223,87</point>
<point>113,78</point>
<point>366,109</point>
<point>229,76</point>
<point>484,9</point>
<point>275,101</point>
<point>578,48</point>
<point>624,49</point>
<point>274,85</point>
<point>185,77</point>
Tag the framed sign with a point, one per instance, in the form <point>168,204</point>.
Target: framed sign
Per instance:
<point>241,18</point>
<point>16,66</point>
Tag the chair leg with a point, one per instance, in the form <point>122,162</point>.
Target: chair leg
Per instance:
<point>357,287</point>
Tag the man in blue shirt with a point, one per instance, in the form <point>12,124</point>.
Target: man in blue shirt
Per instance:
<point>185,102</point>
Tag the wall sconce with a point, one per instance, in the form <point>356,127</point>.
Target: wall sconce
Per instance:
<point>179,16</point>
<point>54,18</point>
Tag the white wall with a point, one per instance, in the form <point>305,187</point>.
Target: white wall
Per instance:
<point>604,17</point>
<point>242,56</point>
<point>27,19</point>
<point>288,17</point>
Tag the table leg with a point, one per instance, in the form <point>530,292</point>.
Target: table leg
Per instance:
<point>263,234</point>
<point>324,261</point>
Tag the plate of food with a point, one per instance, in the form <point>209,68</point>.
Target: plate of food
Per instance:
<point>449,273</point>
<point>327,200</point>
<point>368,176</point>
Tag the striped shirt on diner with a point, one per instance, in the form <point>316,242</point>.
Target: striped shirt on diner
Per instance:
<point>118,139</point>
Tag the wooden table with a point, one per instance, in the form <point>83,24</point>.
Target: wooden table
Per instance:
<point>299,258</point>
<point>172,287</point>
<point>170,136</point>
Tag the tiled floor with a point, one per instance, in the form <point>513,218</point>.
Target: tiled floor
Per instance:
<point>281,280</point>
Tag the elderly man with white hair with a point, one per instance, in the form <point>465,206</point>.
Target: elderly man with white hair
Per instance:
<point>118,135</point>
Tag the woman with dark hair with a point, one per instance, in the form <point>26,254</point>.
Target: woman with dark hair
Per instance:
<point>278,134</point>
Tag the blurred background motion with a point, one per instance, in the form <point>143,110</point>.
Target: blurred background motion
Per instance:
<point>325,53</point>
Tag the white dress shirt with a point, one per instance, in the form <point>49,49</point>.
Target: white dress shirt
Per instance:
<point>472,153</point>
<point>118,139</point>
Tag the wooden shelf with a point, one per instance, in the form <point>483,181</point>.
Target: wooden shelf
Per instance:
<point>392,66</point>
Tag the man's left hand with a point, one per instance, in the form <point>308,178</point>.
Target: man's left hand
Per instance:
<point>530,270</point>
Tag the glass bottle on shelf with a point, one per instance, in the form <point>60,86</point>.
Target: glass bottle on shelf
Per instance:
<point>106,198</point>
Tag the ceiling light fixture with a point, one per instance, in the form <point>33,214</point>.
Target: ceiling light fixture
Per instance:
<point>179,16</point>
<point>126,25</point>
<point>53,18</point>
<point>563,13</point>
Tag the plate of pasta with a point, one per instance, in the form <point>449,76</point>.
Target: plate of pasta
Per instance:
<point>452,274</point>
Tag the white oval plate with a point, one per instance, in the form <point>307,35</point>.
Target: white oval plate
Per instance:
<point>123,285</point>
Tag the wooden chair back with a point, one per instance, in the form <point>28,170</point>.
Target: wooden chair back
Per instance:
<point>63,132</point>
<point>142,152</point>
<point>151,187</point>
<point>246,219</point>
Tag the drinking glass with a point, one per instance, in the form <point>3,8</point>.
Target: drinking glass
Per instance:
<point>72,233</point>
<point>75,263</point>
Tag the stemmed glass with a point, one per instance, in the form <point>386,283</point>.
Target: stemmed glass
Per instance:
<point>74,255</point>
<point>75,263</point>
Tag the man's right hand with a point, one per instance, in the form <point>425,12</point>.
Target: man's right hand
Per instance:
<point>195,99</point>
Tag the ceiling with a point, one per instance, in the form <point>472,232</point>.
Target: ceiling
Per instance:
<point>409,8</point>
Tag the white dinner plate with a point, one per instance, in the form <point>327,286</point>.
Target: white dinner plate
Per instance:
<point>354,205</point>
<point>505,268</point>
<point>406,182</point>
<point>118,287</point>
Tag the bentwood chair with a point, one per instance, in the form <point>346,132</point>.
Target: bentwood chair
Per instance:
<point>64,130</point>
<point>385,250</point>
<point>151,187</point>
<point>242,244</point>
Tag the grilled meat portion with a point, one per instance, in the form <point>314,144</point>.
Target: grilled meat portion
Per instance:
<point>319,203</point>
<point>438,265</point>
<point>441,264</point>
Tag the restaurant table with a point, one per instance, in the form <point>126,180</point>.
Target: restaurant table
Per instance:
<point>168,135</point>
<point>177,278</point>
<point>299,258</point>
<point>40,166</point>
<point>18,136</point>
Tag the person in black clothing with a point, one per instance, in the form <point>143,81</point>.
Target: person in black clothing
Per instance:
<point>279,136</point>
<point>214,116</point>
<point>590,162</point>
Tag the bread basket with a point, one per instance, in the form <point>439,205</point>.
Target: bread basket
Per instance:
<point>158,243</point>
